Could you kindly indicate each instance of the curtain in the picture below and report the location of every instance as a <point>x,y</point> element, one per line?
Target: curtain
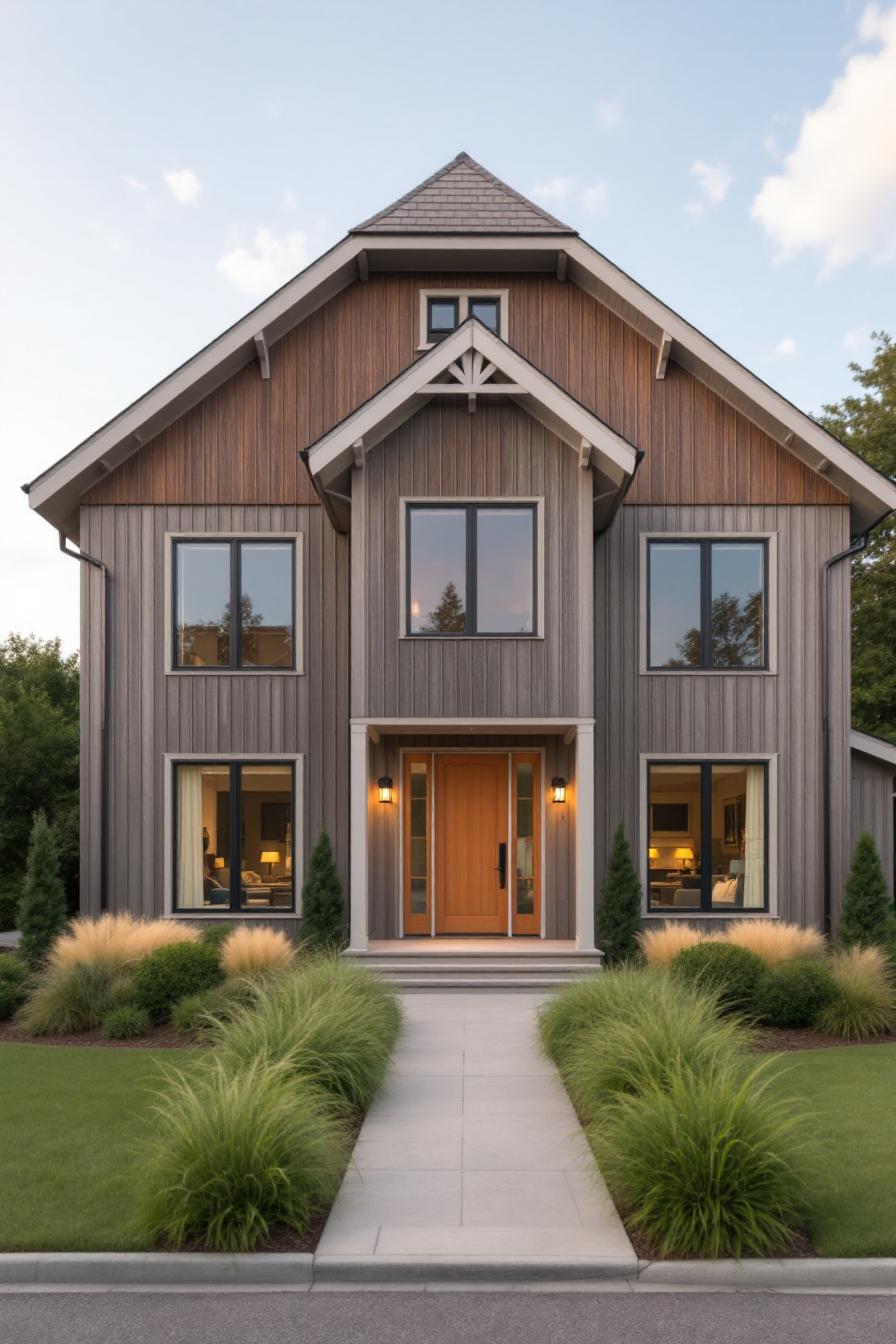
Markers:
<point>189,837</point>
<point>754,839</point>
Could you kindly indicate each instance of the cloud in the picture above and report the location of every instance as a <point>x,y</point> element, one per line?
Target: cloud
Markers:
<point>267,264</point>
<point>786,347</point>
<point>856,340</point>
<point>594,198</point>
<point>713,179</point>
<point>134,183</point>
<point>184,186</point>
<point>608,114</point>
<point>555,191</point>
<point>836,193</point>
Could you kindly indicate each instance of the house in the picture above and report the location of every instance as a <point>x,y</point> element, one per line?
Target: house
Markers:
<point>466,548</point>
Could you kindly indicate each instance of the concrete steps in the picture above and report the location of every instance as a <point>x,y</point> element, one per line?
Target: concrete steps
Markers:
<point>470,971</point>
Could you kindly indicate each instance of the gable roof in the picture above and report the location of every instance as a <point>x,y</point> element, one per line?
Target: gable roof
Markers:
<point>474,362</point>
<point>56,492</point>
<point>877,747</point>
<point>462,197</point>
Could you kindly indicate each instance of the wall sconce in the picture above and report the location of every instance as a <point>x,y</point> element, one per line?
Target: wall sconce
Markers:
<point>558,789</point>
<point>385,788</point>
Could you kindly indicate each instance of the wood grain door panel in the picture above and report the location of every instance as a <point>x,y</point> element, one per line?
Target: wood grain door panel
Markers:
<point>471,805</point>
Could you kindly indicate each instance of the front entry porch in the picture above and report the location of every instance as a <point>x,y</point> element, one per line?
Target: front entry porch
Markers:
<point>455,963</point>
<point>479,830</point>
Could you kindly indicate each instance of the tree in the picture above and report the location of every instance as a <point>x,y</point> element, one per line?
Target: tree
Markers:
<point>449,616</point>
<point>39,752</point>
<point>866,423</point>
<point>619,917</point>
<point>867,914</point>
<point>42,913</point>
<point>323,919</point>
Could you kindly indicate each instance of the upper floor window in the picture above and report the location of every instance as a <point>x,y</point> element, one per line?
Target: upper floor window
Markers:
<point>707,605</point>
<point>234,605</point>
<point>471,569</point>
<point>443,311</point>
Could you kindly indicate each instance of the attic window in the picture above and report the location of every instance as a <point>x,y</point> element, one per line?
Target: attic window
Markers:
<point>443,311</point>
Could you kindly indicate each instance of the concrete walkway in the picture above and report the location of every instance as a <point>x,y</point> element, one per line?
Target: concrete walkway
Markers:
<point>473,1152</point>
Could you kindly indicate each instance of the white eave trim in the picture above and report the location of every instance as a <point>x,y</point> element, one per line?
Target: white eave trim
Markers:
<point>869,745</point>
<point>401,398</point>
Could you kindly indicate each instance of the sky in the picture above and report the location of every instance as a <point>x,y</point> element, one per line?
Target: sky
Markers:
<point>163,166</point>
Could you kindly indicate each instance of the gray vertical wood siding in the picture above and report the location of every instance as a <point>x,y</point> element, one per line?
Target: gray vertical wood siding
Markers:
<point>443,451</point>
<point>153,713</point>
<point>873,783</point>
<point>730,713</point>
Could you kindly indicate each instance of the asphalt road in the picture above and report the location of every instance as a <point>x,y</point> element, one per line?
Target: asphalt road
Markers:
<point>442,1318</point>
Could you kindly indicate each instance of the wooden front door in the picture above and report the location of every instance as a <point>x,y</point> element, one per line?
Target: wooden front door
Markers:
<point>471,843</point>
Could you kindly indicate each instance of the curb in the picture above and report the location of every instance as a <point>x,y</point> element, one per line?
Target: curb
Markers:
<point>374,1269</point>
<point>811,1273</point>
<point>155,1268</point>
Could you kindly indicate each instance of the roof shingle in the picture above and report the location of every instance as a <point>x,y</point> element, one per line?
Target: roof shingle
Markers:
<point>463,197</point>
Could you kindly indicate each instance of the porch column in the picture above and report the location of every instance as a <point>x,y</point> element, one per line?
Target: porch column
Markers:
<point>585,837</point>
<point>359,790</point>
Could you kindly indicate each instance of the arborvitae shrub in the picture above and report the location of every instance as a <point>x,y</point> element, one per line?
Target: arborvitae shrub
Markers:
<point>619,917</point>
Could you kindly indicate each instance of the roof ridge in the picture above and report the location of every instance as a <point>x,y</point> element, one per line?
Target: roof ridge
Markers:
<point>465,160</point>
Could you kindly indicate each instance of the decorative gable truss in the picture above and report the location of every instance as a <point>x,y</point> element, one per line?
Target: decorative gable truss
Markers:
<point>473,363</point>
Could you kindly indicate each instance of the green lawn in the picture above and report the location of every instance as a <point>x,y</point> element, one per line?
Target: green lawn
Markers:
<point>852,1092</point>
<point>69,1120</point>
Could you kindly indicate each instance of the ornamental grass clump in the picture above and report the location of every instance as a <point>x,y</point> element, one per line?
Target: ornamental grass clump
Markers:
<point>864,1001</point>
<point>706,1163</point>
<point>681,1031</point>
<point>729,973</point>
<point>116,940</point>
<point>793,993</point>
<point>234,1156</point>
<point>72,999</point>
<point>623,994</point>
<point>125,1023</point>
<point>198,1015</point>
<point>660,946</point>
<point>254,951</point>
<point>774,942</point>
<point>328,1023</point>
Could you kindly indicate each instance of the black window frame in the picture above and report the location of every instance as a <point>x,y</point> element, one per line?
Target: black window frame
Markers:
<point>434,336</point>
<point>235,906</point>
<point>486,298</point>
<point>235,544</point>
<point>470,509</point>
<point>705,905</point>
<point>705,545</point>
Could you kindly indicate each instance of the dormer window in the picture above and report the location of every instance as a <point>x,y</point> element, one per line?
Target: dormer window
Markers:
<point>443,311</point>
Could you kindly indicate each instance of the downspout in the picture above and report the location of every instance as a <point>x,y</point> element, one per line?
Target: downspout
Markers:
<point>855,548</point>
<point>105,703</point>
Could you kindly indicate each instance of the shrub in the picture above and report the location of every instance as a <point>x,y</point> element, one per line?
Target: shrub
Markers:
<point>864,1002</point>
<point>234,1156</point>
<point>256,950</point>
<point>793,993</point>
<point>216,934</point>
<point>198,1014</point>
<point>623,994</point>
<point>708,1165</point>
<point>117,940</point>
<point>12,996</point>
<point>125,1023</point>
<point>659,946</point>
<point>323,921</point>
<point>626,1057</point>
<point>10,895</point>
<point>171,973</point>
<point>330,1023</point>
<point>74,998</point>
<point>730,973</point>
<point>42,912</point>
<point>867,914</point>
<point>774,942</point>
<point>13,970</point>
<point>619,916</point>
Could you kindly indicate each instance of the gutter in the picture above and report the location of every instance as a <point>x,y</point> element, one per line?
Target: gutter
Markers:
<point>856,546</point>
<point>105,709</point>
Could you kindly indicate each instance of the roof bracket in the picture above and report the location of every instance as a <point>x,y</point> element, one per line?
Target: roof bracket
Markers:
<point>662,358</point>
<point>363,266</point>
<point>823,467</point>
<point>471,403</point>
<point>264,359</point>
<point>584,454</point>
<point>562,260</point>
<point>358,451</point>
<point>788,439</point>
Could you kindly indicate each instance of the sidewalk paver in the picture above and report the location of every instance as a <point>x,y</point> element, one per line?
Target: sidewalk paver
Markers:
<point>473,1148</point>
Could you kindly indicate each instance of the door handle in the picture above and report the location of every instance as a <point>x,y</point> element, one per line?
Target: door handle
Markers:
<point>502,865</point>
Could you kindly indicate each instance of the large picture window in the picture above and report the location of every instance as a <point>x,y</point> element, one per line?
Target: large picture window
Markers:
<point>706,605</point>
<point>234,836</point>
<point>707,835</point>
<point>234,605</point>
<point>471,569</point>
